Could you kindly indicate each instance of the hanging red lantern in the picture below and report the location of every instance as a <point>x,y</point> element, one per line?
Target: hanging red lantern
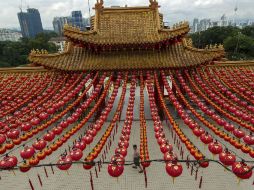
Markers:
<point>26,126</point>
<point>88,139</point>
<point>57,130</point>
<point>206,138</point>
<point>227,158</point>
<point>24,167</point>
<point>76,154</point>
<point>2,138</point>
<point>174,169</point>
<point>35,121</point>
<point>242,170</point>
<point>198,131</point>
<point>8,162</point>
<point>170,156</point>
<point>248,139</point>
<point>49,136</point>
<point>27,152</point>
<point>88,165</point>
<point>239,133</point>
<point>39,144</point>
<point>215,147</point>
<point>13,134</point>
<point>166,148</point>
<point>80,145</point>
<point>115,169</point>
<point>64,162</point>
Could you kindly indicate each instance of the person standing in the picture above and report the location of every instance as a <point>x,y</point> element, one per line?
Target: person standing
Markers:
<point>136,159</point>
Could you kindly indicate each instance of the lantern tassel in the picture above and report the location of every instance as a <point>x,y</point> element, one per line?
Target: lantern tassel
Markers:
<point>46,173</point>
<point>52,169</point>
<point>200,182</point>
<point>91,180</point>
<point>39,177</point>
<point>96,173</point>
<point>173,180</point>
<point>13,172</point>
<point>196,175</point>
<point>191,169</point>
<point>145,177</point>
<point>67,172</point>
<point>99,167</point>
<point>31,185</point>
<point>238,182</point>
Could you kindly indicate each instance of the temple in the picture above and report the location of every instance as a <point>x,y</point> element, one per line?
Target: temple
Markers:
<point>128,81</point>
<point>127,38</point>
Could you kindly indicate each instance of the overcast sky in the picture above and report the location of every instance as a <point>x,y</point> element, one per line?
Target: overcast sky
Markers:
<point>173,10</point>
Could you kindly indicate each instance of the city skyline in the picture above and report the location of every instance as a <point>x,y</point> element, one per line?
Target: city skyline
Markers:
<point>173,10</point>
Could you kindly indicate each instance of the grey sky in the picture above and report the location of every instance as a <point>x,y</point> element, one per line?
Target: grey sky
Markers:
<point>173,10</point>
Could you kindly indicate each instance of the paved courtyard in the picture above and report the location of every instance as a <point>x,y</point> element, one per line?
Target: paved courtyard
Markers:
<point>214,177</point>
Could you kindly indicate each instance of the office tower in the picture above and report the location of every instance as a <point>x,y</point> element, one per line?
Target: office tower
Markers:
<point>30,23</point>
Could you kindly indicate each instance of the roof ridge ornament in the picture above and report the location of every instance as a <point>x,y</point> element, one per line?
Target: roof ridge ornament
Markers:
<point>99,4</point>
<point>154,4</point>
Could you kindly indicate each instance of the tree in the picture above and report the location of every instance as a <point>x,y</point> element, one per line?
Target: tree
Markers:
<point>16,53</point>
<point>214,35</point>
<point>248,31</point>
<point>239,46</point>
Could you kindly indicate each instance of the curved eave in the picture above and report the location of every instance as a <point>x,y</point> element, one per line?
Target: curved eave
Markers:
<point>93,37</point>
<point>176,56</point>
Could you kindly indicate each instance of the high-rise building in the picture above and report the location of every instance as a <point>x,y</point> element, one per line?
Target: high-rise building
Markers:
<point>59,22</point>
<point>77,19</point>
<point>30,22</point>
<point>195,26</point>
<point>224,20</point>
<point>204,24</point>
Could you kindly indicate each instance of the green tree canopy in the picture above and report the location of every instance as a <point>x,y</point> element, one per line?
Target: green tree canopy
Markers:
<point>16,53</point>
<point>238,43</point>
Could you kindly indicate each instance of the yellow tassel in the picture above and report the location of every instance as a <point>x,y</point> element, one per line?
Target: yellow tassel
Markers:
<point>67,172</point>
<point>173,180</point>
<point>13,172</point>
<point>238,182</point>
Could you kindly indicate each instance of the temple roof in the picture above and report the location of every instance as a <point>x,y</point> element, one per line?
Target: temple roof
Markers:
<point>127,38</point>
<point>126,25</point>
<point>174,56</point>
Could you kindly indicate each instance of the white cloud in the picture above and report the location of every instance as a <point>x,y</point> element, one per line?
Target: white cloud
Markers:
<point>173,10</point>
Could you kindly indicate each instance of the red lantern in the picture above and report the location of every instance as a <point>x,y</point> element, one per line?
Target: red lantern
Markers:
<point>227,158</point>
<point>215,147</point>
<point>76,154</point>
<point>88,165</point>
<point>8,162</point>
<point>24,167</point>
<point>13,134</point>
<point>174,169</point>
<point>242,170</point>
<point>26,126</point>
<point>80,145</point>
<point>35,121</point>
<point>239,133</point>
<point>39,144</point>
<point>206,138</point>
<point>166,148</point>
<point>64,162</point>
<point>88,139</point>
<point>57,130</point>
<point>248,139</point>
<point>27,152</point>
<point>49,136</point>
<point>170,156</point>
<point>115,170</point>
<point>198,131</point>
<point>2,138</point>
